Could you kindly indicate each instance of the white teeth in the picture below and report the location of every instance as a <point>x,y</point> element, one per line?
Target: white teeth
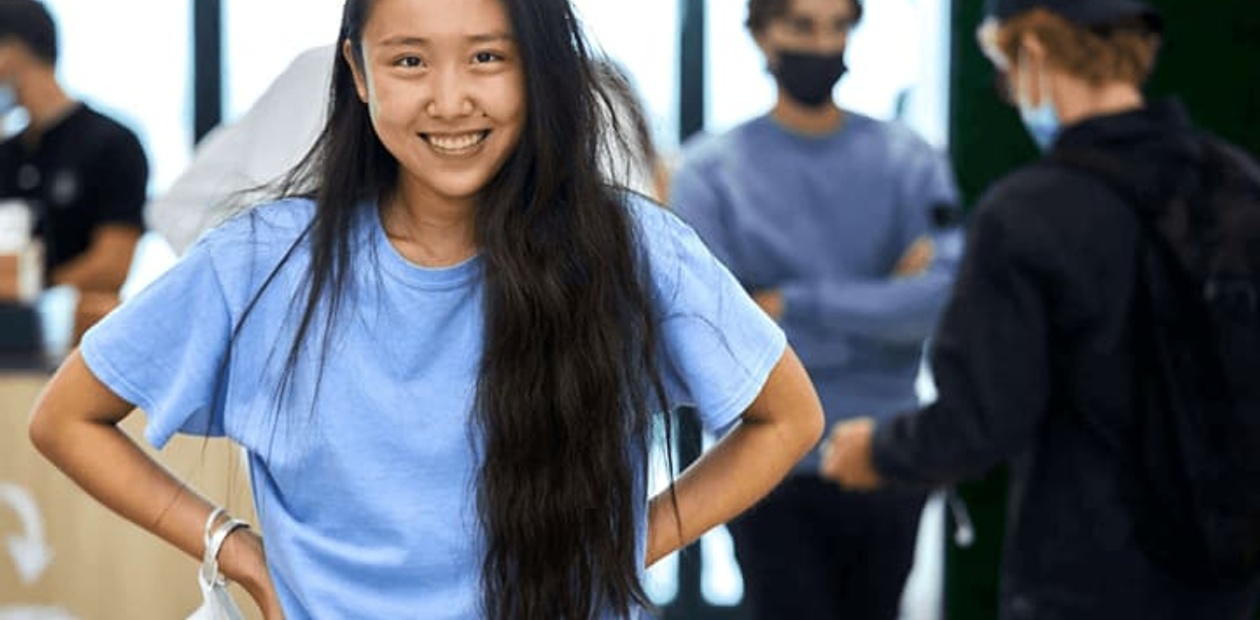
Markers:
<point>457,143</point>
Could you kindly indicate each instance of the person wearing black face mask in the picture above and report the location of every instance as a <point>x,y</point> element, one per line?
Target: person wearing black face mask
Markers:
<point>826,217</point>
<point>808,77</point>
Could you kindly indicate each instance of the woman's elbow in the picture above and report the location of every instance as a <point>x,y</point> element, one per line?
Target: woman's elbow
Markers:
<point>809,426</point>
<point>791,402</point>
<point>815,427</point>
<point>43,431</point>
<point>71,407</point>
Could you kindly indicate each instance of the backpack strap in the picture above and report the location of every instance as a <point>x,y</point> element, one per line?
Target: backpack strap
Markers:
<point>1146,203</point>
<point>1147,481</point>
<point>1115,173</point>
<point>1104,168</point>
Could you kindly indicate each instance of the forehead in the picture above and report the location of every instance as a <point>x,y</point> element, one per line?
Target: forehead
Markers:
<point>819,9</point>
<point>429,19</point>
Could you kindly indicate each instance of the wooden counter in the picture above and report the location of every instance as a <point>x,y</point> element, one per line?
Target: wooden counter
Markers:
<point>101,567</point>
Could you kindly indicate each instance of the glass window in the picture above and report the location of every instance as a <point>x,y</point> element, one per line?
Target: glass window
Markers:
<point>620,30</point>
<point>662,578</point>
<point>898,59</point>
<point>262,38</point>
<point>136,71</point>
<point>721,583</point>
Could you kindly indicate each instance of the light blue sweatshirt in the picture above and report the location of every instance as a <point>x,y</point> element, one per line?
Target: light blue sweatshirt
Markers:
<point>825,219</point>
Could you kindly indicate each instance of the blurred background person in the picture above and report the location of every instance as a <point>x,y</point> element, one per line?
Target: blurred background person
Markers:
<point>83,175</point>
<point>1052,354</point>
<point>826,217</point>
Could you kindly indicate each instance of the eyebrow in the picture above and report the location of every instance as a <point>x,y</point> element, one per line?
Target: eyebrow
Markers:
<point>413,41</point>
<point>792,16</point>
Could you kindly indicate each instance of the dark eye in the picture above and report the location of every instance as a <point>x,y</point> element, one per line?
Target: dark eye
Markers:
<point>484,57</point>
<point>801,25</point>
<point>409,62</point>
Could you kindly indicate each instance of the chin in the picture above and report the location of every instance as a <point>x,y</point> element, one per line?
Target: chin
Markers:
<point>462,189</point>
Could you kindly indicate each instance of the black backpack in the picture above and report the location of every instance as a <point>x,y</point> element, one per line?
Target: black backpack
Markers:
<point>1196,458</point>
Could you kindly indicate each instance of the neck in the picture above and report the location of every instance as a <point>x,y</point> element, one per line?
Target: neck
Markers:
<point>797,118</point>
<point>43,98</point>
<point>1079,101</point>
<point>428,231</point>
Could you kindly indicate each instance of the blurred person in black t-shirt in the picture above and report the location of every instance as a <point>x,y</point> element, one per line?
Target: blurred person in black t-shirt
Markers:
<point>83,174</point>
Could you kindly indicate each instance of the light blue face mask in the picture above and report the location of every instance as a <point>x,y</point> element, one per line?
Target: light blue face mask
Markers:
<point>1041,120</point>
<point>8,98</point>
<point>1042,123</point>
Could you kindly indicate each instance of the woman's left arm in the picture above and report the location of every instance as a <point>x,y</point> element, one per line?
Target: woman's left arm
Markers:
<point>783,423</point>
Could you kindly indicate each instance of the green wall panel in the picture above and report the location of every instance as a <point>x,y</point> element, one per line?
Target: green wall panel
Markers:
<point>1211,57</point>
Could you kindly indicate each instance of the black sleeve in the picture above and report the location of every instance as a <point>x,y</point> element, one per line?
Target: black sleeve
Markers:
<point>120,178</point>
<point>990,360</point>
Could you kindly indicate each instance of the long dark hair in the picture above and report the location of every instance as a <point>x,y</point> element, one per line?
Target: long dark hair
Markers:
<point>568,383</point>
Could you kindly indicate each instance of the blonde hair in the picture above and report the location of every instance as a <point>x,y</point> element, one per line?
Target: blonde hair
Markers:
<point>1123,52</point>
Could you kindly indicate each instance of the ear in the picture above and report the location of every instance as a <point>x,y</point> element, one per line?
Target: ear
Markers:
<point>1033,74</point>
<point>360,84</point>
<point>987,38</point>
<point>1032,48</point>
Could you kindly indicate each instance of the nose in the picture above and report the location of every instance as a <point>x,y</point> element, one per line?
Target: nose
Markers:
<point>827,40</point>
<point>450,96</point>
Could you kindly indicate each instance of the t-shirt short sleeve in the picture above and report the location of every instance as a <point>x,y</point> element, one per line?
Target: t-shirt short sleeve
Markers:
<point>164,349</point>
<point>119,182</point>
<point>719,345</point>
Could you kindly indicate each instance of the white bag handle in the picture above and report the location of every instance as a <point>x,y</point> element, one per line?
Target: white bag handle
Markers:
<point>217,604</point>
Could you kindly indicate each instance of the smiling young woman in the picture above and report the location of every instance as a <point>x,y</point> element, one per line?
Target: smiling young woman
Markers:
<point>446,100</point>
<point>443,346</point>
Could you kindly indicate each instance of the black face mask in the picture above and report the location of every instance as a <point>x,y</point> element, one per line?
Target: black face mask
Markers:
<point>808,78</point>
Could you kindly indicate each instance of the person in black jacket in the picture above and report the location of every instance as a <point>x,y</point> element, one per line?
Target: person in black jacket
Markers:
<point>1033,359</point>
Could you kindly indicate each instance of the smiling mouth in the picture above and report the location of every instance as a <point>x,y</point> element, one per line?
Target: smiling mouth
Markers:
<point>456,144</point>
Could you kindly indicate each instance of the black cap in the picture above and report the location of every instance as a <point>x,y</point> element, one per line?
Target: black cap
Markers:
<point>29,22</point>
<point>1088,13</point>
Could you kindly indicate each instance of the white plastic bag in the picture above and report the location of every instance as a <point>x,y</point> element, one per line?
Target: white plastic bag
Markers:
<point>217,603</point>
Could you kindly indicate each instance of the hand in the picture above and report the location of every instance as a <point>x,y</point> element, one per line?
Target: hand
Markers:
<point>846,455</point>
<point>916,259</point>
<point>771,301</point>
<point>243,560</point>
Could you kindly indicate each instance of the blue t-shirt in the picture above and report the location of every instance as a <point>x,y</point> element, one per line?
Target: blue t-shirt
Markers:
<point>366,488</point>
<point>825,219</point>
